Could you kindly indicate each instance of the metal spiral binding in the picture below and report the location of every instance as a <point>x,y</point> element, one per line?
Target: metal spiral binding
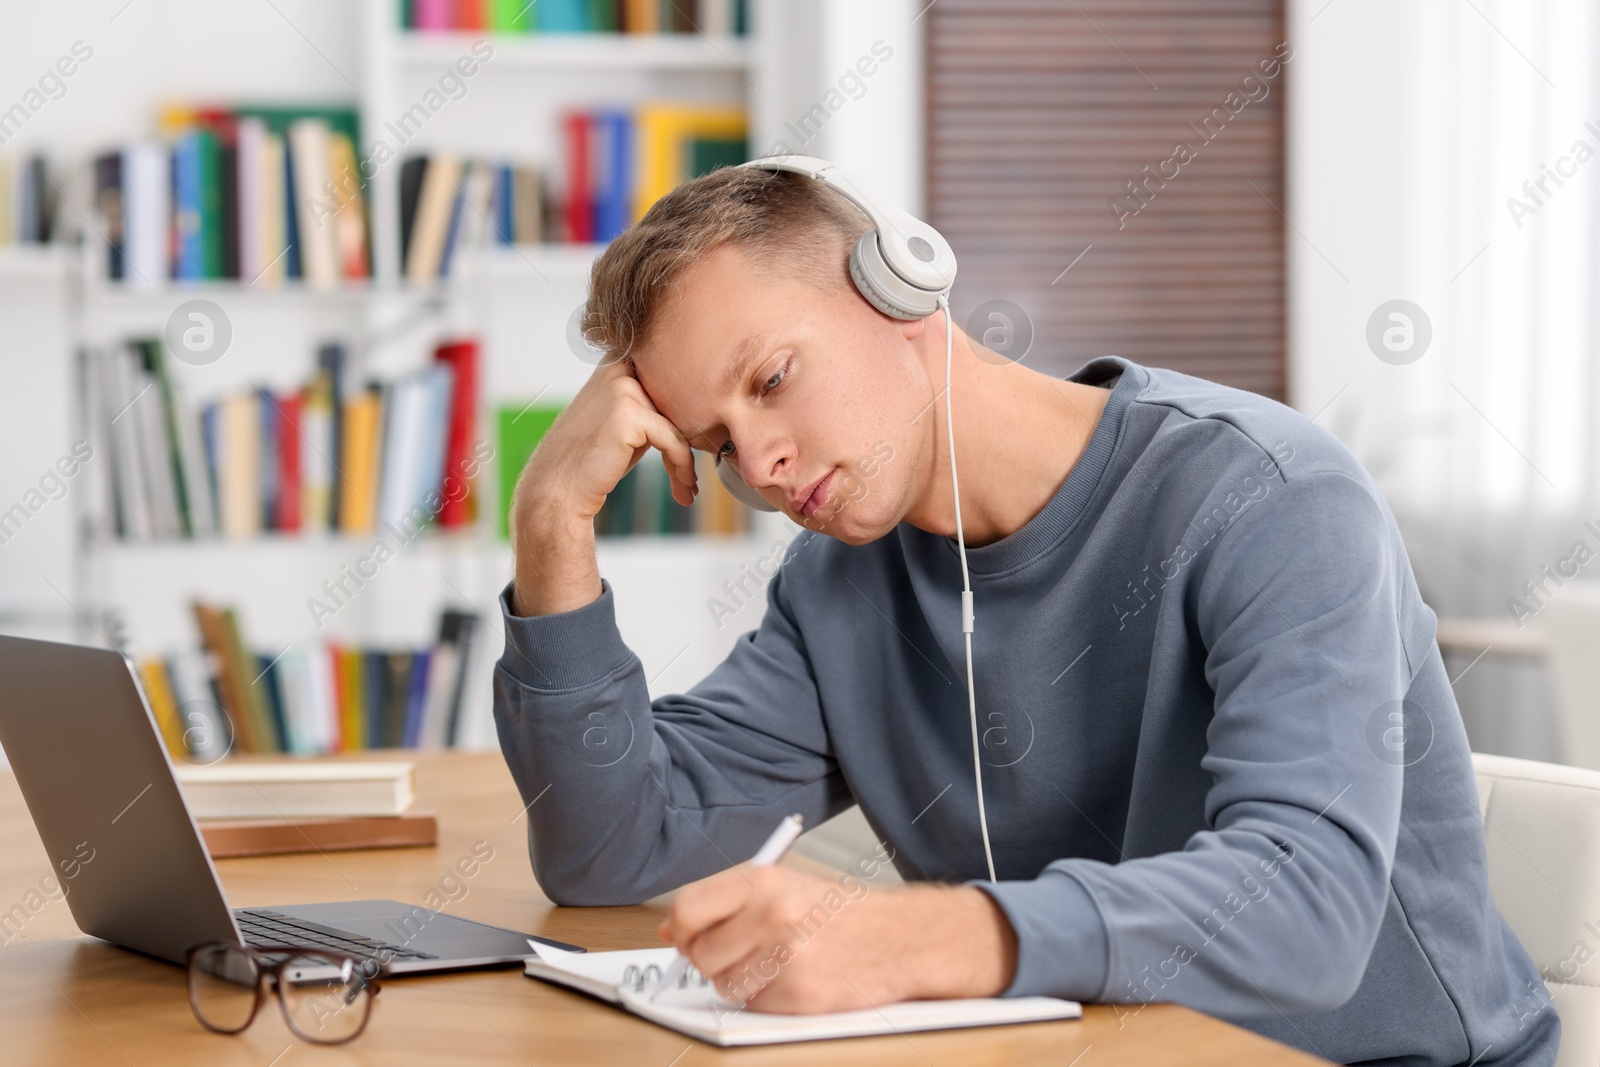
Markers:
<point>640,980</point>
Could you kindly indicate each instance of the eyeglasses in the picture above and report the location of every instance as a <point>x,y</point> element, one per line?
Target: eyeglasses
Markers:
<point>326,997</point>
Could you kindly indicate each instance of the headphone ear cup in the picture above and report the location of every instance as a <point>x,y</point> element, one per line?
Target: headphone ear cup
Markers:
<point>734,482</point>
<point>882,287</point>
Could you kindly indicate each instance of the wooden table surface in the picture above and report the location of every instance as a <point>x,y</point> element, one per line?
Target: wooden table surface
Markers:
<point>70,999</point>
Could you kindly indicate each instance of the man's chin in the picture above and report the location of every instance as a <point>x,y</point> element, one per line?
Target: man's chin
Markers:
<point>842,526</point>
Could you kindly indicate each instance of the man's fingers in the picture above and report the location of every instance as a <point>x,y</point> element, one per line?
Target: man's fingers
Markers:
<point>746,977</point>
<point>723,945</point>
<point>702,905</point>
<point>676,455</point>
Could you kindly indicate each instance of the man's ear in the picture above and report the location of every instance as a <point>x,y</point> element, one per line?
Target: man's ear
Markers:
<point>911,329</point>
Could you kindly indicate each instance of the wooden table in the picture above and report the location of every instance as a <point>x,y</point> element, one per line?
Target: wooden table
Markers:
<point>69,999</point>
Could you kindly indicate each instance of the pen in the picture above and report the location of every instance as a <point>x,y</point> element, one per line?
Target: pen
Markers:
<point>768,854</point>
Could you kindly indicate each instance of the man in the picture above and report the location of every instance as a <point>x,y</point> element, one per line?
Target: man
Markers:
<point>1222,763</point>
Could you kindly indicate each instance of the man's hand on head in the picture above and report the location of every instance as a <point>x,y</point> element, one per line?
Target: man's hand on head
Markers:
<point>780,940</point>
<point>597,439</point>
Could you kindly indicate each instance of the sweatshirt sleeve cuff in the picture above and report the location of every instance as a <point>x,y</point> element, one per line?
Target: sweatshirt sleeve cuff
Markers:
<point>567,650</point>
<point>1062,947</point>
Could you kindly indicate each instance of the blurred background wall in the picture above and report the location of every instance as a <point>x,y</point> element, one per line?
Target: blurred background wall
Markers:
<point>1246,190</point>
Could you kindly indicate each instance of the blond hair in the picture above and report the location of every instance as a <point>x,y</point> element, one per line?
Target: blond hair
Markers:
<point>780,219</point>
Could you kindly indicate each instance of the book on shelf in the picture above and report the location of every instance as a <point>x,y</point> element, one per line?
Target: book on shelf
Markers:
<point>260,194</point>
<point>28,200</point>
<point>291,789</point>
<point>714,18</point>
<point>309,698</point>
<point>461,356</point>
<point>615,163</point>
<point>448,203</point>
<point>676,142</point>
<point>326,456</point>
<point>640,505</point>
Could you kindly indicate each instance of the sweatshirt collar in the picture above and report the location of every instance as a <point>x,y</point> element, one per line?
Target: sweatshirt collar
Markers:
<point>1070,502</point>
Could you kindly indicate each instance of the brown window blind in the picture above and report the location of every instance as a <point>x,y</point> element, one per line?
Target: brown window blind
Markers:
<point>1055,170</point>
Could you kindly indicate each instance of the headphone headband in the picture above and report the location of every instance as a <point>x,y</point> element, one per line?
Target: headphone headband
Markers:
<point>920,264</point>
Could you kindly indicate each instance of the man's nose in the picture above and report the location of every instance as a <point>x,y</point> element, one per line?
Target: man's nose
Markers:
<point>762,463</point>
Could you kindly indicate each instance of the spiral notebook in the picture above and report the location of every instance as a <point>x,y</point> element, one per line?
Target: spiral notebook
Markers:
<point>693,1007</point>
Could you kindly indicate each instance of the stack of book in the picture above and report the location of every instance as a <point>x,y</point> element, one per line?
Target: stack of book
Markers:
<point>264,807</point>
<point>27,201</point>
<point>308,698</point>
<point>326,457</point>
<point>262,194</point>
<point>641,504</point>
<point>616,164</point>
<point>711,17</point>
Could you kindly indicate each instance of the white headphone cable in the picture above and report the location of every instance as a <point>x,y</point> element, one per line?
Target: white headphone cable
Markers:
<point>966,587</point>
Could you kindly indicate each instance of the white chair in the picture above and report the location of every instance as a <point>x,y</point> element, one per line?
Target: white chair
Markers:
<point>1542,833</point>
<point>1570,623</point>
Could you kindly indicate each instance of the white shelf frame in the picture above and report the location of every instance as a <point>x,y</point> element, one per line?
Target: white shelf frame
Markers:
<point>114,575</point>
<point>590,51</point>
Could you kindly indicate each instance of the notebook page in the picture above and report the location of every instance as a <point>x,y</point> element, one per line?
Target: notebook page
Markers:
<point>706,1015</point>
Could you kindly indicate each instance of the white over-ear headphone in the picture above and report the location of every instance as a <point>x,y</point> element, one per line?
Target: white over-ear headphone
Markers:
<point>902,266</point>
<point>905,269</point>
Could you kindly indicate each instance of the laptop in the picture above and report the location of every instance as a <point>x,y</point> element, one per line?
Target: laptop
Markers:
<point>84,745</point>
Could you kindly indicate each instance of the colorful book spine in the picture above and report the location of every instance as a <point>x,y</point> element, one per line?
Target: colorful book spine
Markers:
<point>416,699</point>
<point>405,453</point>
<point>187,216</point>
<point>433,14</point>
<point>613,206</point>
<point>164,706</point>
<point>471,15</point>
<point>210,203</point>
<point>353,725</point>
<point>258,194</point>
<point>333,660</point>
<point>711,17</point>
<point>460,501</point>
<point>615,164</point>
<point>290,493</point>
<point>308,698</point>
<point>374,686</point>
<point>269,464</point>
<point>576,130</point>
<point>562,16</point>
<point>510,16</point>
<point>108,204</point>
<point>359,449</point>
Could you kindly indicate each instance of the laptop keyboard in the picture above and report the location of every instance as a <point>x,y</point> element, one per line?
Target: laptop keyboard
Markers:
<point>270,930</point>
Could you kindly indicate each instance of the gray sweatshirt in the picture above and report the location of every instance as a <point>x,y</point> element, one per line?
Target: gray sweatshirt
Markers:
<point>1222,761</point>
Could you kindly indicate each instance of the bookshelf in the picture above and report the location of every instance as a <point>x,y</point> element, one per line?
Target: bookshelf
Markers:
<point>584,52</point>
<point>33,263</point>
<point>515,299</point>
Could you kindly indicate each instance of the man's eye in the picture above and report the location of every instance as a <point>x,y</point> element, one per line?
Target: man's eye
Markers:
<point>725,450</point>
<point>776,380</point>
